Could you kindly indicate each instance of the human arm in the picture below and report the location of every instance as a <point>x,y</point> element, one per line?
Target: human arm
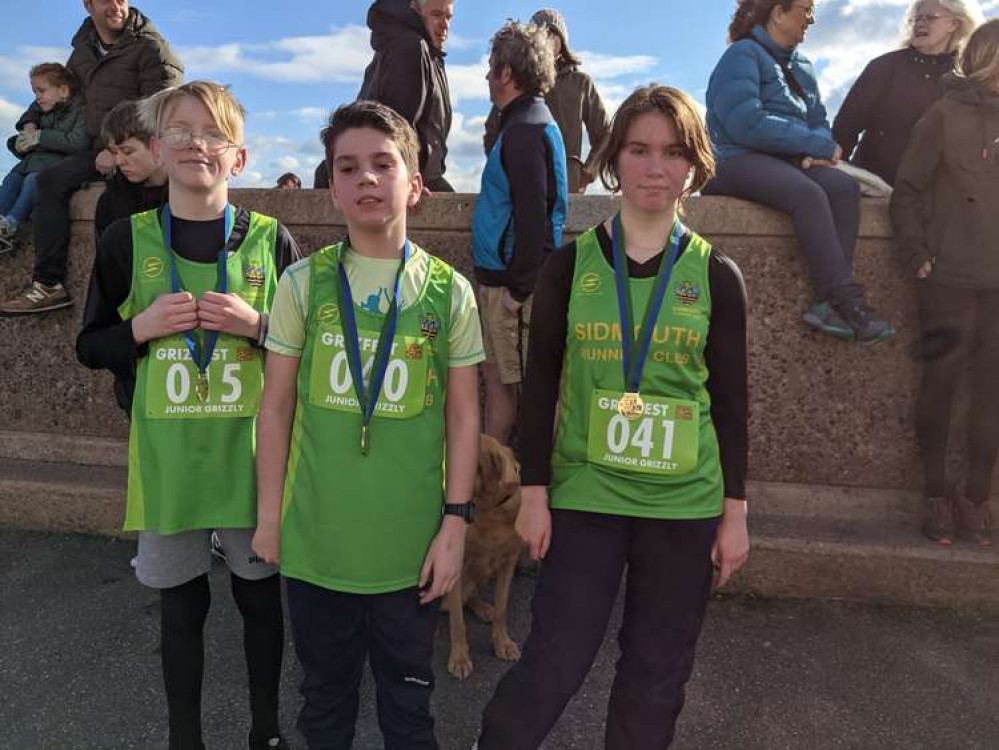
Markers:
<point>277,410</point>
<point>525,159</point>
<point>31,118</point>
<point>736,103</point>
<point>442,564</point>
<point>913,184</point>
<point>857,111</point>
<point>597,127</point>
<point>72,140</point>
<point>731,546</point>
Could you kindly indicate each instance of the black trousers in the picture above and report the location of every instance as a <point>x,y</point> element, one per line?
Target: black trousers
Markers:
<point>183,610</point>
<point>334,633</point>
<point>958,327</point>
<point>56,186</point>
<point>668,585</point>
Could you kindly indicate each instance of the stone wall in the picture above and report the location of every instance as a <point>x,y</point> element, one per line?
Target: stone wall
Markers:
<point>823,412</point>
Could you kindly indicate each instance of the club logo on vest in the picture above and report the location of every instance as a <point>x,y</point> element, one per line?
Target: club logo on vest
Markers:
<point>414,351</point>
<point>590,283</point>
<point>255,275</point>
<point>152,268</point>
<point>430,326</point>
<point>328,314</point>
<point>688,292</point>
<point>245,354</point>
<point>684,413</point>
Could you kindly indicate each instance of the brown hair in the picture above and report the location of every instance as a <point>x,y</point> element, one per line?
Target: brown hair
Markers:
<point>530,55</point>
<point>56,74</point>
<point>368,114</point>
<point>224,108</point>
<point>752,13</point>
<point>686,119</point>
<point>980,56</point>
<point>123,122</point>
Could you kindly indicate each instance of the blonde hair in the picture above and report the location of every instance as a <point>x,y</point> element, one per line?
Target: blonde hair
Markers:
<point>967,13</point>
<point>980,56</point>
<point>224,108</point>
<point>687,121</point>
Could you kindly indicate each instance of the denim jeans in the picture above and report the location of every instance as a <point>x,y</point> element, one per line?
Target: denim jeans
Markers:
<point>17,195</point>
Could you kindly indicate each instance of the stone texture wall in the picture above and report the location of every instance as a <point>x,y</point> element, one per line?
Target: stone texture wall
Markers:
<point>823,412</point>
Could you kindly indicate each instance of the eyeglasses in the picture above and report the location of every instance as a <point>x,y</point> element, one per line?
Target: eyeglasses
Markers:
<point>181,138</point>
<point>808,10</point>
<point>927,18</point>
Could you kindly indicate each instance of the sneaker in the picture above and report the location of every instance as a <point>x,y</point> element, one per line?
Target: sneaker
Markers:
<point>974,522</point>
<point>8,227</point>
<point>217,549</point>
<point>6,246</point>
<point>272,743</point>
<point>867,329</point>
<point>823,317</point>
<point>938,520</point>
<point>37,298</point>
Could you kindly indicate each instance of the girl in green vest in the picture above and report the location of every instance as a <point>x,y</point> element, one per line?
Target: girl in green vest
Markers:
<point>639,338</point>
<point>372,381</point>
<point>177,310</point>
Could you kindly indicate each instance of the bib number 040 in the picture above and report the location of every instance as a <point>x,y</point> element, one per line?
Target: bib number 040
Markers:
<point>393,389</point>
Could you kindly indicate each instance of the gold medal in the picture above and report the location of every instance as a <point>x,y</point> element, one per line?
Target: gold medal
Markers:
<point>365,440</point>
<point>631,405</point>
<point>202,390</point>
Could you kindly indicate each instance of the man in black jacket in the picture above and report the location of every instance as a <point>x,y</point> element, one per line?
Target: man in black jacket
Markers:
<point>118,55</point>
<point>407,74</point>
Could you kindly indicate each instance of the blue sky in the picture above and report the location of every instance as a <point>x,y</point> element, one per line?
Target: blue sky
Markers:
<point>290,62</point>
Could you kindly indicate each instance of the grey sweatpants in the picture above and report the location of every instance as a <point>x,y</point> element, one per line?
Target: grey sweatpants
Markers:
<point>824,205</point>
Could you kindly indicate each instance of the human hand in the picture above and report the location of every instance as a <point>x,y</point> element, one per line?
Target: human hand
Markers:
<point>27,140</point>
<point>731,546</point>
<point>266,542</point>
<point>534,521</point>
<point>925,270</point>
<point>511,305</point>
<point>228,313</point>
<point>169,314</point>
<point>29,127</point>
<point>837,156</point>
<point>104,163</point>
<point>442,565</point>
<point>585,178</point>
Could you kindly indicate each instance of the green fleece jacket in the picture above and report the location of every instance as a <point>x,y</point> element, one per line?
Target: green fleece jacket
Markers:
<point>63,131</point>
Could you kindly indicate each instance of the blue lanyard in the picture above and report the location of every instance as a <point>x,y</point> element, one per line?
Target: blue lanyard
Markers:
<point>367,397</point>
<point>633,365</point>
<point>200,355</point>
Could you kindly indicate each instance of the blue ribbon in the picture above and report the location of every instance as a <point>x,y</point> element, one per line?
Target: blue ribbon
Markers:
<point>201,353</point>
<point>633,365</point>
<point>367,397</point>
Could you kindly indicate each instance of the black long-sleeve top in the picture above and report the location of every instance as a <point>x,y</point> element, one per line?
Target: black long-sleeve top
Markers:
<point>724,355</point>
<point>105,341</point>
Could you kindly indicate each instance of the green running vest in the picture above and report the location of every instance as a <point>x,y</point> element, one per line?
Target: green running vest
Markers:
<point>191,464</point>
<point>363,524</point>
<point>665,464</point>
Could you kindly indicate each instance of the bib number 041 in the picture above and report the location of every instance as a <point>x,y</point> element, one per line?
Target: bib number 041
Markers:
<point>621,436</point>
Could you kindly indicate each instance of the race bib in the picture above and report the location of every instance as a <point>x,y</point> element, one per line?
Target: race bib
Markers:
<point>235,381</point>
<point>662,441</point>
<point>404,390</point>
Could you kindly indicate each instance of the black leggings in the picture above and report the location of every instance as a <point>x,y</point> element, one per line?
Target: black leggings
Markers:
<point>958,327</point>
<point>183,612</point>
<point>668,584</point>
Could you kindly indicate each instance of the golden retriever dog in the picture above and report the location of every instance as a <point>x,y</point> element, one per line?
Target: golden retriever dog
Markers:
<point>492,548</point>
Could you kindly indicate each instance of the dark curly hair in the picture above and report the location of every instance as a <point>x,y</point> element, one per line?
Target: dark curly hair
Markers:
<point>751,13</point>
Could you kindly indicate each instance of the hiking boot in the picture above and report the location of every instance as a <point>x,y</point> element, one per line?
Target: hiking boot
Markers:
<point>823,317</point>
<point>867,329</point>
<point>938,520</point>
<point>37,298</point>
<point>974,522</point>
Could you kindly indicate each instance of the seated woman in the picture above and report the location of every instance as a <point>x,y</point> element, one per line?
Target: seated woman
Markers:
<point>646,471</point>
<point>768,124</point>
<point>944,215</point>
<point>896,88</point>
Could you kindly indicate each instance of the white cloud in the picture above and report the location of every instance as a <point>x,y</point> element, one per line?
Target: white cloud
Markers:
<point>14,67</point>
<point>337,57</point>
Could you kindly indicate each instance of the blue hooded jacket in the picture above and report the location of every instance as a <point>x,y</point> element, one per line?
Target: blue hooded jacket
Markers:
<point>751,107</point>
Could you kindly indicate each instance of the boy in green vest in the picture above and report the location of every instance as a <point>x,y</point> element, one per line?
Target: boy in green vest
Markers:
<point>371,383</point>
<point>178,306</point>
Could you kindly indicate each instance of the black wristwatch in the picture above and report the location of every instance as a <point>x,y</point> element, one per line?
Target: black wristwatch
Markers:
<point>462,510</point>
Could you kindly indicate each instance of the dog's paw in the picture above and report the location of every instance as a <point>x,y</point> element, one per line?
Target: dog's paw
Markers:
<point>483,610</point>
<point>506,650</point>
<point>459,664</point>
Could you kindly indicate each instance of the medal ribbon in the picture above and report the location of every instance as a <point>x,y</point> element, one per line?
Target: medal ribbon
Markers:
<point>633,365</point>
<point>367,397</point>
<point>201,351</point>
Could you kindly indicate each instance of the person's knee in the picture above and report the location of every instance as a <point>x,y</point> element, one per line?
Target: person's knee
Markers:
<point>842,189</point>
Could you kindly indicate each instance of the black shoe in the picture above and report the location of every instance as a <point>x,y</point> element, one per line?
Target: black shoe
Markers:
<point>867,329</point>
